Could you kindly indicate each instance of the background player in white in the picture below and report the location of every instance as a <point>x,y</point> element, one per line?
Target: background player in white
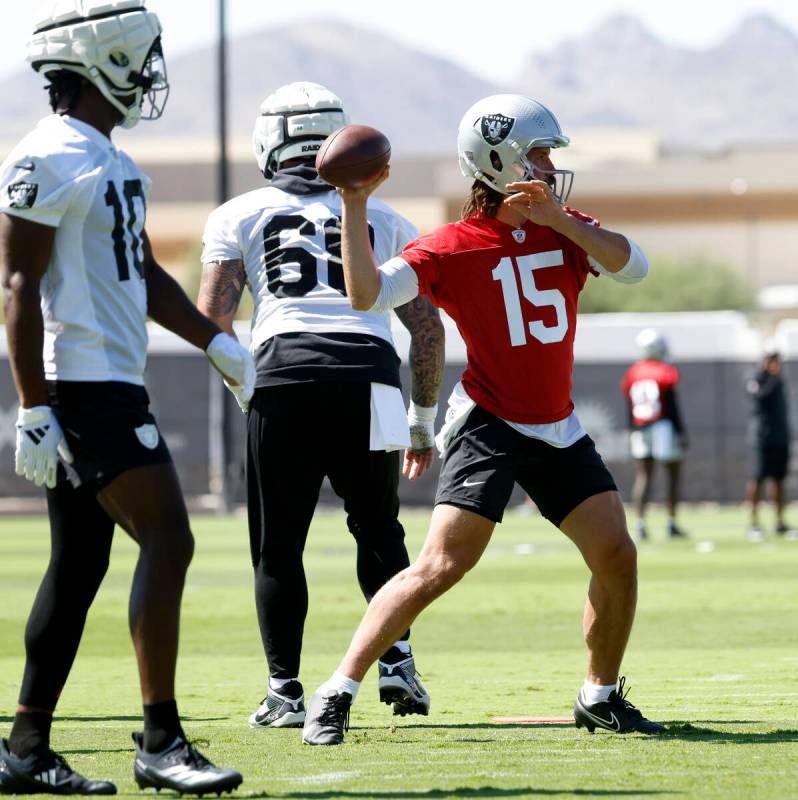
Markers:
<point>509,274</point>
<point>657,430</point>
<point>80,281</point>
<point>328,399</point>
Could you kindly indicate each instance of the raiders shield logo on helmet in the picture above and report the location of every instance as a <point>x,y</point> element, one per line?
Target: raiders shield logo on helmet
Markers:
<point>22,194</point>
<point>496,128</point>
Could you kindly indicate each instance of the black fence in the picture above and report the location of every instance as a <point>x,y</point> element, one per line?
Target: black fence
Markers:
<point>713,398</point>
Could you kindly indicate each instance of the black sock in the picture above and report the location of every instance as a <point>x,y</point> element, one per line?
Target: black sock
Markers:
<point>393,655</point>
<point>30,729</point>
<point>161,725</point>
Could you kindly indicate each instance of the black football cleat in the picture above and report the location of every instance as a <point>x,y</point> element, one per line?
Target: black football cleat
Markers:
<point>401,687</point>
<point>675,532</point>
<point>327,717</point>
<point>182,768</point>
<point>616,714</point>
<point>44,772</point>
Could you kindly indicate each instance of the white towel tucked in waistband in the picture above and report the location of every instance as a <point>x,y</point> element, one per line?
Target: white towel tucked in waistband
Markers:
<point>389,430</point>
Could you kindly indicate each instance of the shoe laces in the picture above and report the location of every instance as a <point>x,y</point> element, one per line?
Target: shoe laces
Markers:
<point>621,698</point>
<point>61,764</point>
<point>335,711</point>
<point>187,754</point>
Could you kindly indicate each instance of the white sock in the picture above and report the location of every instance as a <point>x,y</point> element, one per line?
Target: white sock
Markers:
<point>403,646</point>
<point>593,693</point>
<point>278,683</point>
<point>340,683</point>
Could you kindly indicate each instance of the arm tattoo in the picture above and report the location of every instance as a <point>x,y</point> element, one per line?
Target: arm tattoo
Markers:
<point>426,357</point>
<point>221,287</point>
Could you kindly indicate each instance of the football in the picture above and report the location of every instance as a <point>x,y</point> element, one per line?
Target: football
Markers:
<point>353,156</point>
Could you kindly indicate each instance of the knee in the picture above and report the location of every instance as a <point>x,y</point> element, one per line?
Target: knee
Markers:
<point>172,549</point>
<point>182,549</point>
<point>617,558</point>
<point>439,573</point>
<point>376,530</point>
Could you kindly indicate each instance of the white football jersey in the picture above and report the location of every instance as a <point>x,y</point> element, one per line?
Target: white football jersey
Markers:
<point>68,175</point>
<point>290,245</point>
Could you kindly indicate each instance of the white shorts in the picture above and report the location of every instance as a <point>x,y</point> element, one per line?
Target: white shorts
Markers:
<point>658,441</point>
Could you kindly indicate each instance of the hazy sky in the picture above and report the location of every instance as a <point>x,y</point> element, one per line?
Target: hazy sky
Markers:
<point>468,33</point>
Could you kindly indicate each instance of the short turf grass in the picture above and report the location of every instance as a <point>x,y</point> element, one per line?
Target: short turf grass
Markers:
<point>714,654</point>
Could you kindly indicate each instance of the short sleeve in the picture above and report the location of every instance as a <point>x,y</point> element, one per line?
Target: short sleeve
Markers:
<point>426,264</point>
<point>220,238</point>
<point>40,189</point>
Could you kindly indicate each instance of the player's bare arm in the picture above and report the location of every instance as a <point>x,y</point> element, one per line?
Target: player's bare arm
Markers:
<point>426,356</point>
<point>535,201</point>
<point>220,292</point>
<point>427,339</point>
<point>25,249</point>
<point>170,307</point>
<point>360,269</point>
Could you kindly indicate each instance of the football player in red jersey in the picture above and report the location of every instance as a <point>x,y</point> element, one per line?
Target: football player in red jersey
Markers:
<point>509,273</point>
<point>658,433</point>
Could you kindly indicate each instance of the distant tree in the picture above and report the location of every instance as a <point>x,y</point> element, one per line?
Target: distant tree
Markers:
<point>692,284</point>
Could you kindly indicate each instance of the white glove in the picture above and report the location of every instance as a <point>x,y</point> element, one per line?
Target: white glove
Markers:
<point>40,441</point>
<point>421,420</point>
<point>236,366</point>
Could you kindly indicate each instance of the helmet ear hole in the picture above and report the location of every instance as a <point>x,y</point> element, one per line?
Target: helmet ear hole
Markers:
<point>496,160</point>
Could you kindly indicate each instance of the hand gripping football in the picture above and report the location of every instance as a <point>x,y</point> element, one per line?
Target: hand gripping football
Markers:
<point>353,156</point>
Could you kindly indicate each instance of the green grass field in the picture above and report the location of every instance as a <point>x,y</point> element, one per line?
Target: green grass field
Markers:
<point>714,654</point>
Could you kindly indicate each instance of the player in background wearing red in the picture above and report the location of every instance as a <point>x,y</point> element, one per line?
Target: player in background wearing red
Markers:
<point>657,430</point>
<point>509,273</point>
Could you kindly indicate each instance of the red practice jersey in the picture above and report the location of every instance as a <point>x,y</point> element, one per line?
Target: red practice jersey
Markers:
<point>650,387</point>
<point>514,303</point>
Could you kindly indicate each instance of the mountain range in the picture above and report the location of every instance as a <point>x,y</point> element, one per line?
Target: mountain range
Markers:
<point>740,90</point>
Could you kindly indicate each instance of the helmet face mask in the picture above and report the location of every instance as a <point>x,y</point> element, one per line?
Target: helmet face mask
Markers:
<point>496,135</point>
<point>294,121</point>
<point>115,45</point>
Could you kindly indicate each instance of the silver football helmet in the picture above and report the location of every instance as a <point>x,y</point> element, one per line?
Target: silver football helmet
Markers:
<point>113,44</point>
<point>495,136</point>
<point>653,345</point>
<point>293,122</point>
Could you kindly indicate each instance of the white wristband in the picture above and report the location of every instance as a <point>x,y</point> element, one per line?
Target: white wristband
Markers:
<point>421,421</point>
<point>421,414</point>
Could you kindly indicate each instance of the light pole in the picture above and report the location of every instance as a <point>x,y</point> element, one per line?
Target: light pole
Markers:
<point>219,422</point>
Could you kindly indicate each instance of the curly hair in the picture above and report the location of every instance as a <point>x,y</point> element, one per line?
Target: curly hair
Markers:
<point>64,89</point>
<point>482,200</point>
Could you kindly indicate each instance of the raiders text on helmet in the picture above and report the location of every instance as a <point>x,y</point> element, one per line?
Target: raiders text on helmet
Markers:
<point>495,136</point>
<point>294,121</point>
<point>114,44</point>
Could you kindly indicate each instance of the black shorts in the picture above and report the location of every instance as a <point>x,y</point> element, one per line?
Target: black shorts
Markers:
<point>487,457</point>
<point>108,428</point>
<point>772,462</point>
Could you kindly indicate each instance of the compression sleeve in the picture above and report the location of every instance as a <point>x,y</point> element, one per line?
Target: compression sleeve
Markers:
<point>398,285</point>
<point>635,269</point>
